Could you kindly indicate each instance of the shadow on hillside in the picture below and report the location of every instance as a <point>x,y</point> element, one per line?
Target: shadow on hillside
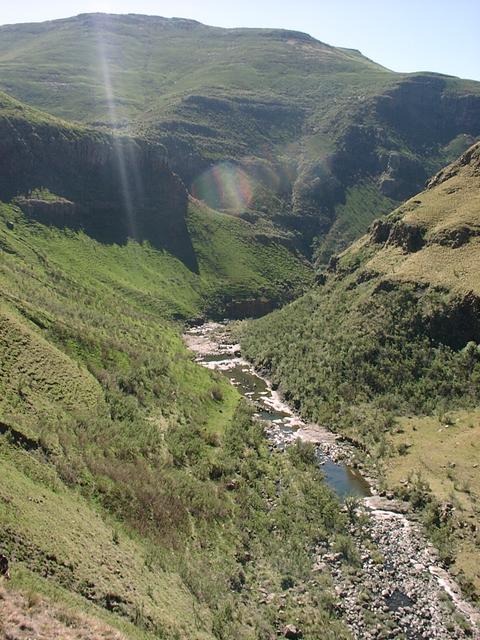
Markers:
<point>110,223</point>
<point>112,189</point>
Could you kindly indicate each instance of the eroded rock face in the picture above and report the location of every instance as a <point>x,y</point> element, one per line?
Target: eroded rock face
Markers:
<point>58,212</point>
<point>408,236</point>
<point>397,233</point>
<point>456,323</point>
<point>456,237</point>
<point>4,567</point>
<point>291,631</point>
<point>470,159</point>
<point>112,187</point>
<point>402,175</point>
<point>380,231</point>
<point>253,308</point>
<point>425,112</point>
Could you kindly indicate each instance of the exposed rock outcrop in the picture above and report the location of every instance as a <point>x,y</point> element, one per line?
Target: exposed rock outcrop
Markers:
<point>470,159</point>
<point>456,323</point>
<point>455,237</point>
<point>58,212</point>
<point>409,237</point>
<point>113,187</point>
<point>424,110</point>
<point>4,567</point>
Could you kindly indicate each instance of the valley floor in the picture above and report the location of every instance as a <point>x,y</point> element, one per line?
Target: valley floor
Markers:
<point>389,581</point>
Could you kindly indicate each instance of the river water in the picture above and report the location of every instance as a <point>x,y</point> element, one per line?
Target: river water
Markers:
<point>411,585</point>
<point>282,425</point>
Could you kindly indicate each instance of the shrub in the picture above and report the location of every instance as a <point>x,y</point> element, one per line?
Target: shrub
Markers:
<point>217,393</point>
<point>346,546</point>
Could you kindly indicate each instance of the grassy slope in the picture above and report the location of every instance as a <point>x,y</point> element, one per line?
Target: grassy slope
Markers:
<point>353,218</point>
<point>24,614</point>
<point>150,63</point>
<point>450,204</point>
<point>444,449</point>
<point>232,261</point>
<point>377,351</point>
<point>239,263</point>
<point>116,449</point>
<point>43,265</point>
<point>61,324</point>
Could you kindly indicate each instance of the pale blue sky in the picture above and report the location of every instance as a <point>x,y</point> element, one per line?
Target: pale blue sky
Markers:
<point>404,35</point>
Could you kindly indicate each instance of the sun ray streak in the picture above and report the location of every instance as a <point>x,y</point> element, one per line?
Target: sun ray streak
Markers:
<point>119,144</point>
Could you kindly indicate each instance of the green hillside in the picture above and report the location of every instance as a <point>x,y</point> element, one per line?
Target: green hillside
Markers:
<point>98,194</point>
<point>130,475</point>
<point>116,449</point>
<point>385,350</point>
<point>150,59</point>
<point>156,172</point>
<point>296,125</point>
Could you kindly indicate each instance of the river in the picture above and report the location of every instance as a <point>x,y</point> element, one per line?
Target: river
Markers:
<point>410,592</point>
<point>282,425</point>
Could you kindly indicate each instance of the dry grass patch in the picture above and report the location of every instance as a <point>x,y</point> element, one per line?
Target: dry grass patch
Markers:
<point>28,616</point>
<point>445,450</point>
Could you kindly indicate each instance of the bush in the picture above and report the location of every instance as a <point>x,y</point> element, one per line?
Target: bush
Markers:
<point>346,546</point>
<point>303,453</point>
<point>217,393</point>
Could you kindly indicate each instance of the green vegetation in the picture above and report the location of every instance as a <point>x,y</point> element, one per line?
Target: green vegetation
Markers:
<point>59,66</point>
<point>320,139</point>
<point>197,170</point>
<point>231,263</point>
<point>390,337</point>
<point>135,488</point>
<point>203,573</point>
<point>241,271</point>
<point>363,204</point>
<point>377,355</point>
<point>443,451</point>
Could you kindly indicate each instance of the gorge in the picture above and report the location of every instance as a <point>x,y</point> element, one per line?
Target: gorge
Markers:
<point>307,469</point>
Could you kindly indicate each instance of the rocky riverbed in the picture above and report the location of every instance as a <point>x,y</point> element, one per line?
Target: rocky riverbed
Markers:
<point>391,584</point>
<point>394,592</point>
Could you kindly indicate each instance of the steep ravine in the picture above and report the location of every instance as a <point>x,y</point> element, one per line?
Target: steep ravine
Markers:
<point>393,585</point>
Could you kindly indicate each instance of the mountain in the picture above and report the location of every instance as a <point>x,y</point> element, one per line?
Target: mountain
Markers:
<point>128,471</point>
<point>155,172</point>
<point>385,350</point>
<point>114,188</point>
<point>317,140</point>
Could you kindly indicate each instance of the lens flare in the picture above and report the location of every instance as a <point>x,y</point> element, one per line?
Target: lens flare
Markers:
<point>225,186</point>
<point>263,172</point>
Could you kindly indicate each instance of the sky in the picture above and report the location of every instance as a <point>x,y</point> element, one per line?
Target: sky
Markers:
<point>403,35</point>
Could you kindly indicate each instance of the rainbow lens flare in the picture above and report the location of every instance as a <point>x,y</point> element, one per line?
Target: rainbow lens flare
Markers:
<point>225,186</point>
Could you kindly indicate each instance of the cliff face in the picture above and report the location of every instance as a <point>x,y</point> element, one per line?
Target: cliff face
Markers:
<point>426,112</point>
<point>114,188</point>
<point>396,140</point>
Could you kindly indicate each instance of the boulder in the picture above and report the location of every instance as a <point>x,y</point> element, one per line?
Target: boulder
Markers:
<point>291,631</point>
<point>4,567</point>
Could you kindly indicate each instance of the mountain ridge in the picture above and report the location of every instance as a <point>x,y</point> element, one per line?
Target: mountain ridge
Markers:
<point>305,122</point>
